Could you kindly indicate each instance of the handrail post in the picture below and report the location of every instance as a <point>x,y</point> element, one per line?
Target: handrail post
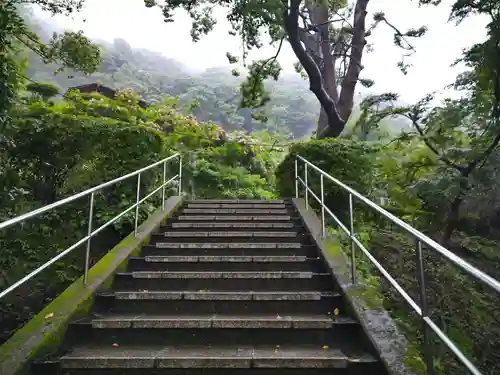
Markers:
<point>180,175</point>
<point>323,224</point>
<point>306,187</point>
<point>163,185</point>
<point>353,245</point>
<point>89,234</point>
<point>429,362</point>
<point>296,179</point>
<point>137,204</point>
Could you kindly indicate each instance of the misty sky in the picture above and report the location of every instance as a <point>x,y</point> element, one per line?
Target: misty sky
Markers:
<point>142,27</point>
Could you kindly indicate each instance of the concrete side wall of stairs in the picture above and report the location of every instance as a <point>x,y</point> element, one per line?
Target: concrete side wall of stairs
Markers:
<point>378,325</point>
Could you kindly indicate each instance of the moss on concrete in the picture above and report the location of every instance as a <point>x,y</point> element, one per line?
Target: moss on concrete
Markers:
<point>44,333</point>
<point>365,298</point>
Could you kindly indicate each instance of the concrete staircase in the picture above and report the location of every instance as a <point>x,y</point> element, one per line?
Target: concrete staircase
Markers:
<point>226,287</point>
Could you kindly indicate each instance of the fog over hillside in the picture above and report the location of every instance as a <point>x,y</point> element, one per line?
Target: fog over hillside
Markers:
<point>292,110</point>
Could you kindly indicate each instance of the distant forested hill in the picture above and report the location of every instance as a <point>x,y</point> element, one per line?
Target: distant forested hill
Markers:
<point>292,110</point>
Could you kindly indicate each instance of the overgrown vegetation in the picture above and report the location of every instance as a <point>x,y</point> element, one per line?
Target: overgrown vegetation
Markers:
<point>54,147</point>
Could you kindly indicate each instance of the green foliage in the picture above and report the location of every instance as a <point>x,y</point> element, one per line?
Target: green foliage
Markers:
<point>72,50</point>
<point>306,25</point>
<point>346,160</point>
<point>291,110</point>
<point>54,150</point>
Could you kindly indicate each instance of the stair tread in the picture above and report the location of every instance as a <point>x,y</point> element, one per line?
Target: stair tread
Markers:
<point>221,295</point>
<point>223,274</point>
<point>185,357</point>
<point>279,201</point>
<point>247,217</point>
<point>224,258</point>
<point>266,317</point>
<point>178,233</point>
<point>237,205</point>
<point>230,245</point>
<point>229,225</point>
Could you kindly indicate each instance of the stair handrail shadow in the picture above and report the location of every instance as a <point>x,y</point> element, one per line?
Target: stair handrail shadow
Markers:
<point>422,309</point>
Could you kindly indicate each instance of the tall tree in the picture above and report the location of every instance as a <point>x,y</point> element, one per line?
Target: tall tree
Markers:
<point>463,134</point>
<point>327,36</point>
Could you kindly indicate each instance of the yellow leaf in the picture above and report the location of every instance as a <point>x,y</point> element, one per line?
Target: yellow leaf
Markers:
<point>325,347</point>
<point>336,312</point>
<point>50,315</point>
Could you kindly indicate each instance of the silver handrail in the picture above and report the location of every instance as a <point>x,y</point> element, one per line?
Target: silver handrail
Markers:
<point>421,310</point>
<point>90,232</point>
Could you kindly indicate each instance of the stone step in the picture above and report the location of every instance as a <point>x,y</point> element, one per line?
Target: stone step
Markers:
<point>196,239</point>
<point>245,249</point>
<point>223,281</point>
<point>233,201</point>
<point>224,259</point>
<point>219,234</point>
<point>214,302</point>
<point>186,307</point>
<point>84,334</point>
<point>237,205</point>
<point>222,275</point>
<point>252,218</point>
<point>295,321</point>
<point>232,226</point>
<point>269,241</point>
<point>205,295</point>
<point>226,245</point>
<point>53,368</point>
<point>235,211</point>
<point>125,357</point>
<point>224,263</point>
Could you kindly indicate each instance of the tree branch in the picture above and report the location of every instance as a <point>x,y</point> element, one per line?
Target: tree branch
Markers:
<point>357,44</point>
<point>428,143</point>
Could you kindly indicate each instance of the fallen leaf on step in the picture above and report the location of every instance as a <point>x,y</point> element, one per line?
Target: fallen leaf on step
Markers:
<point>50,315</point>
<point>325,347</point>
<point>278,317</point>
<point>336,312</point>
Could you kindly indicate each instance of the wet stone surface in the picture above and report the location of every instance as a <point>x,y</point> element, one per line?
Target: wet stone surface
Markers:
<point>233,311</point>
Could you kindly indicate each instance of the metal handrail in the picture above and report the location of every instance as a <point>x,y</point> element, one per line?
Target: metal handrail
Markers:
<point>91,233</point>
<point>421,310</point>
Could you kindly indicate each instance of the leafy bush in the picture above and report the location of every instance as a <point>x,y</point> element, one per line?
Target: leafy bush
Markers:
<point>349,161</point>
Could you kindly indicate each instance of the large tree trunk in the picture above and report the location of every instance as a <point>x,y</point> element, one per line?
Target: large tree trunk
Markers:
<point>335,108</point>
<point>322,47</point>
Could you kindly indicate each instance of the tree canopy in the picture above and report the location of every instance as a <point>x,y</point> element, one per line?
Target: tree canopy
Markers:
<point>328,38</point>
